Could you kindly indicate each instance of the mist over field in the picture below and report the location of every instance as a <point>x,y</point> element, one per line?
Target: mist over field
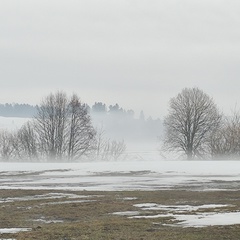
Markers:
<point>119,120</point>
<point>142,137</point>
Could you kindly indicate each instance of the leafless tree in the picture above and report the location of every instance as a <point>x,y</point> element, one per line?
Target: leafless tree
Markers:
<point>225,142</point>
<point>6,145</point>
<point>100,145</point>
<point>27,142</point>
<point>116,149</point>
<point>63,127</point>
<point>50,124</point>
<point>192,118</point>
<point>80,132</point>
<point>107,149</point>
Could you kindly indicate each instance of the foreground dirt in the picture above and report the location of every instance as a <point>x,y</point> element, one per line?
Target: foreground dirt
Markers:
<point>63,215</point>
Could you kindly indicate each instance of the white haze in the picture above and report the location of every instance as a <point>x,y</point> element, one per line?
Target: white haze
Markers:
<point>141,142</point>
<point>12,123</point>
<point>147,174</point>
<point>135,53</point>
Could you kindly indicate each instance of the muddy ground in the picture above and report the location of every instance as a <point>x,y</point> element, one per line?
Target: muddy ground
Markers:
<point>71,215</point>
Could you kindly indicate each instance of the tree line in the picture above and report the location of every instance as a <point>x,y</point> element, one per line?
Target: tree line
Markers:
<point>196,128</point>
<point>60,130</point>
<point>29,111</point>
<point>17,110</point>
<point>118,123</point>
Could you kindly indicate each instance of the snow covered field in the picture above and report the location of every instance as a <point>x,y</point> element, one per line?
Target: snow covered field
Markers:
<point>125,175</point>
<point>12,123</point>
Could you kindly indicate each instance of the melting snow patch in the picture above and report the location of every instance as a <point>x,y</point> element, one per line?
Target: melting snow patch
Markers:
<point>8,239</point>
<point>198,219</point>
<point>43,220</point>
<point>14,230</point>
<point>43,197</point>
<point>128,198</point>
<point>177,208</point>
<point>208,219</point>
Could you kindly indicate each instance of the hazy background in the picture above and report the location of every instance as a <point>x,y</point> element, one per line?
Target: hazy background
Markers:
<point>136,53</point>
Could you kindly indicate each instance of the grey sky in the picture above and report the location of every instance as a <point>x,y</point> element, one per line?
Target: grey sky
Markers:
<point>133,52</point>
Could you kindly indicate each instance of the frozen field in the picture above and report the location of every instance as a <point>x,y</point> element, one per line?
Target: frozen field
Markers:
<point>173,195</point>
<point>125,175</point>
<point>12,123</point>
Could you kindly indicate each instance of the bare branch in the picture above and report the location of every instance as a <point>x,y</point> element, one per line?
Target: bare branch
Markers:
<point>192,118</point>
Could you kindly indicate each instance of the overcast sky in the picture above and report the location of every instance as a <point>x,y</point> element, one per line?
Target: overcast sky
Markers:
<point>137,53</point>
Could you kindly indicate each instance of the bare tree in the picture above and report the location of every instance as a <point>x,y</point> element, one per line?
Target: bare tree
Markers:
<point>63,127</point>
<point>101,142</point>
<point>28,142</point>
<point>7,150</point>
<point>116,149</point>
<point>107,149</point>
<point>225,142</point>
<point>80,132</point>
<point>192,118</point>
<point>50,124</point>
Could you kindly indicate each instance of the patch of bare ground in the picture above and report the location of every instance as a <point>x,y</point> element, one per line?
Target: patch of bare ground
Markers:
<point>64,215</point>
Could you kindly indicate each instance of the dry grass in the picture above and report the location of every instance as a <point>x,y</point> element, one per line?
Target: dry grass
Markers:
<point>93,220</point>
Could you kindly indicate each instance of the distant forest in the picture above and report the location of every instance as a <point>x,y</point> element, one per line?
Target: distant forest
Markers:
<point>17,110</point>
<point>116,122</point>
<point>123,124</point>
<point>28,111</point>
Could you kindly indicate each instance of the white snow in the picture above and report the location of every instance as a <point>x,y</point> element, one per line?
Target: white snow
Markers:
<point>177,208</point>
<point>124,175</point>
<point>8,239</point>
<point>42,197</point>
<point>132,175</point>
<point>12,123</point>
<point>198,220</point>
<point>208,219</point>
<point>14,230</point>
<point>129,198</point>
<point>43,220</point>
<point>185,218</point>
